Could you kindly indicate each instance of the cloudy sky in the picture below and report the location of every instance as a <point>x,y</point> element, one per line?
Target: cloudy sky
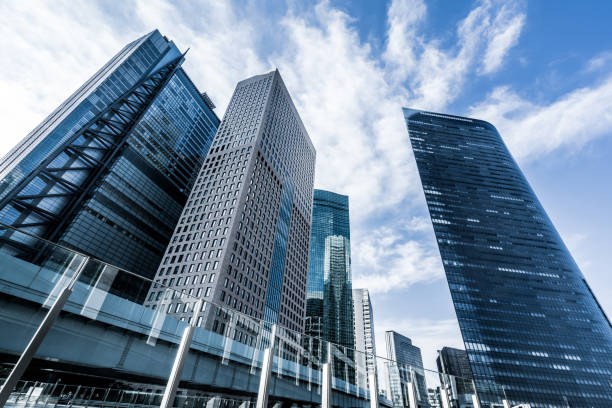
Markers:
<point>541,74</point>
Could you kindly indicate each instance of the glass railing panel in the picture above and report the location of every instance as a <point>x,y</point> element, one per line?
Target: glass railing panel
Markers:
<point>226,351</point>
<point>297,367</point>
<point>33,273</point>
<point>349,377</point>
<point>105,324</point>
<point>118,325</point>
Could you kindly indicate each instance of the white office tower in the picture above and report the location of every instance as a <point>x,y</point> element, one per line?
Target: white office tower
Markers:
<point>243,239</point>
<point>364,330</point>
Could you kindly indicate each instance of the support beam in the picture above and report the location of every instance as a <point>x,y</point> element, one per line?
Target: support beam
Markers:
<point>30,350</point>
<point>326,380</point>
<point>373,385</point>
<point>475,398</point>
<point>179,360</point>
<point>412,397</point>
<point>444,397</point>
<point>266,371</point>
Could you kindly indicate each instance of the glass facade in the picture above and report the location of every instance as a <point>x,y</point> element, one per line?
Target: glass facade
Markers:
<point>528,317</point>
<point>456,364</point>
<point>406,373</point>
<point>329,301</point>
<point>109,171</point>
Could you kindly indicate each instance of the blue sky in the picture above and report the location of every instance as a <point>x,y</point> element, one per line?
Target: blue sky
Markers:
<point>541,72</point>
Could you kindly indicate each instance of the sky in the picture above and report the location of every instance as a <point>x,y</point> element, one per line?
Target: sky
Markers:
<point>540,71</point>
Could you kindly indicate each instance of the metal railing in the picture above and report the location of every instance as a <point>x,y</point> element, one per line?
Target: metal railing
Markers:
<point>82,314</point>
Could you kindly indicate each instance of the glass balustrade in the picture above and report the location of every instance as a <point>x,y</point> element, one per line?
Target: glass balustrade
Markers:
<point>115,344</point>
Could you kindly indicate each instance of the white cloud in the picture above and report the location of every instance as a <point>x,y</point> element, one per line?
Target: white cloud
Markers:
<point>532,130</point>
<point>599,62</point>
<point>388,260</point>
<point>436,75</point>
<point>502,36</point>
<point>403,20</point>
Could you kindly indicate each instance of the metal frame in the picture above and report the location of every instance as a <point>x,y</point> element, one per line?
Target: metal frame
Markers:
<point>91,150</point>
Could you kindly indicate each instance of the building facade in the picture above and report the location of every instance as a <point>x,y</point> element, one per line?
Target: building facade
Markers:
<point>108,172</point>
<point>529,320</point>
<point>406,374</point>
<point>456,376</point>
<point>329,310</point>
<point>364,330</point>
<point>242,240</point>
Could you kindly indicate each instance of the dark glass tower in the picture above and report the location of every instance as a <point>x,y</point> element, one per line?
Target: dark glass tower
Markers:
<point>528,318</point>
<point>109,171</point>
<point>329,300</point>
<point>459,381</point>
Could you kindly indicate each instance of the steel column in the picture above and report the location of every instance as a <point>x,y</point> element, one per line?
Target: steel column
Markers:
<point>266,371</point>
<point>179,360</point>
<point>326,380</point>
<point>373,385</point>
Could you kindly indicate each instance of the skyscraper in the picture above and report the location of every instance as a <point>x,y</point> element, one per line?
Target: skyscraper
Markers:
<point>527,315</point>
<point>406,374</point>
<point>364,329</point>
<point>242,240</point>
<point>458,381</point>
<point>108,172</point>
<point>329,310</point>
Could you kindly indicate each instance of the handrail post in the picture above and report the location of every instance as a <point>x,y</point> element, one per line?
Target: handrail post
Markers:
<point>179,360</point>
<point>373,383</point>
<point>40,334</point>
<point>266,371</point>
<point>326,381</point>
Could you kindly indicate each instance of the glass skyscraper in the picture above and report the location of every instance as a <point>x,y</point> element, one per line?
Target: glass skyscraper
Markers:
<point>242,240</point>
<point>406,373</point>
<point>527,315</point>
<point>329,303</point>
<point>109,171</point>
<point>459,381</point>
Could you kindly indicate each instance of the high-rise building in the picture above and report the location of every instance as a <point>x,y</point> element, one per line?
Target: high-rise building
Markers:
<point>434,398</point>
<point>529,320</point>
<point>242,240</point>
<point>455,362</point>
<point>456,376</point>
<point>109,171</point>
<point>406,374</point>
<point>364,330</point>
<point>329,310</point>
